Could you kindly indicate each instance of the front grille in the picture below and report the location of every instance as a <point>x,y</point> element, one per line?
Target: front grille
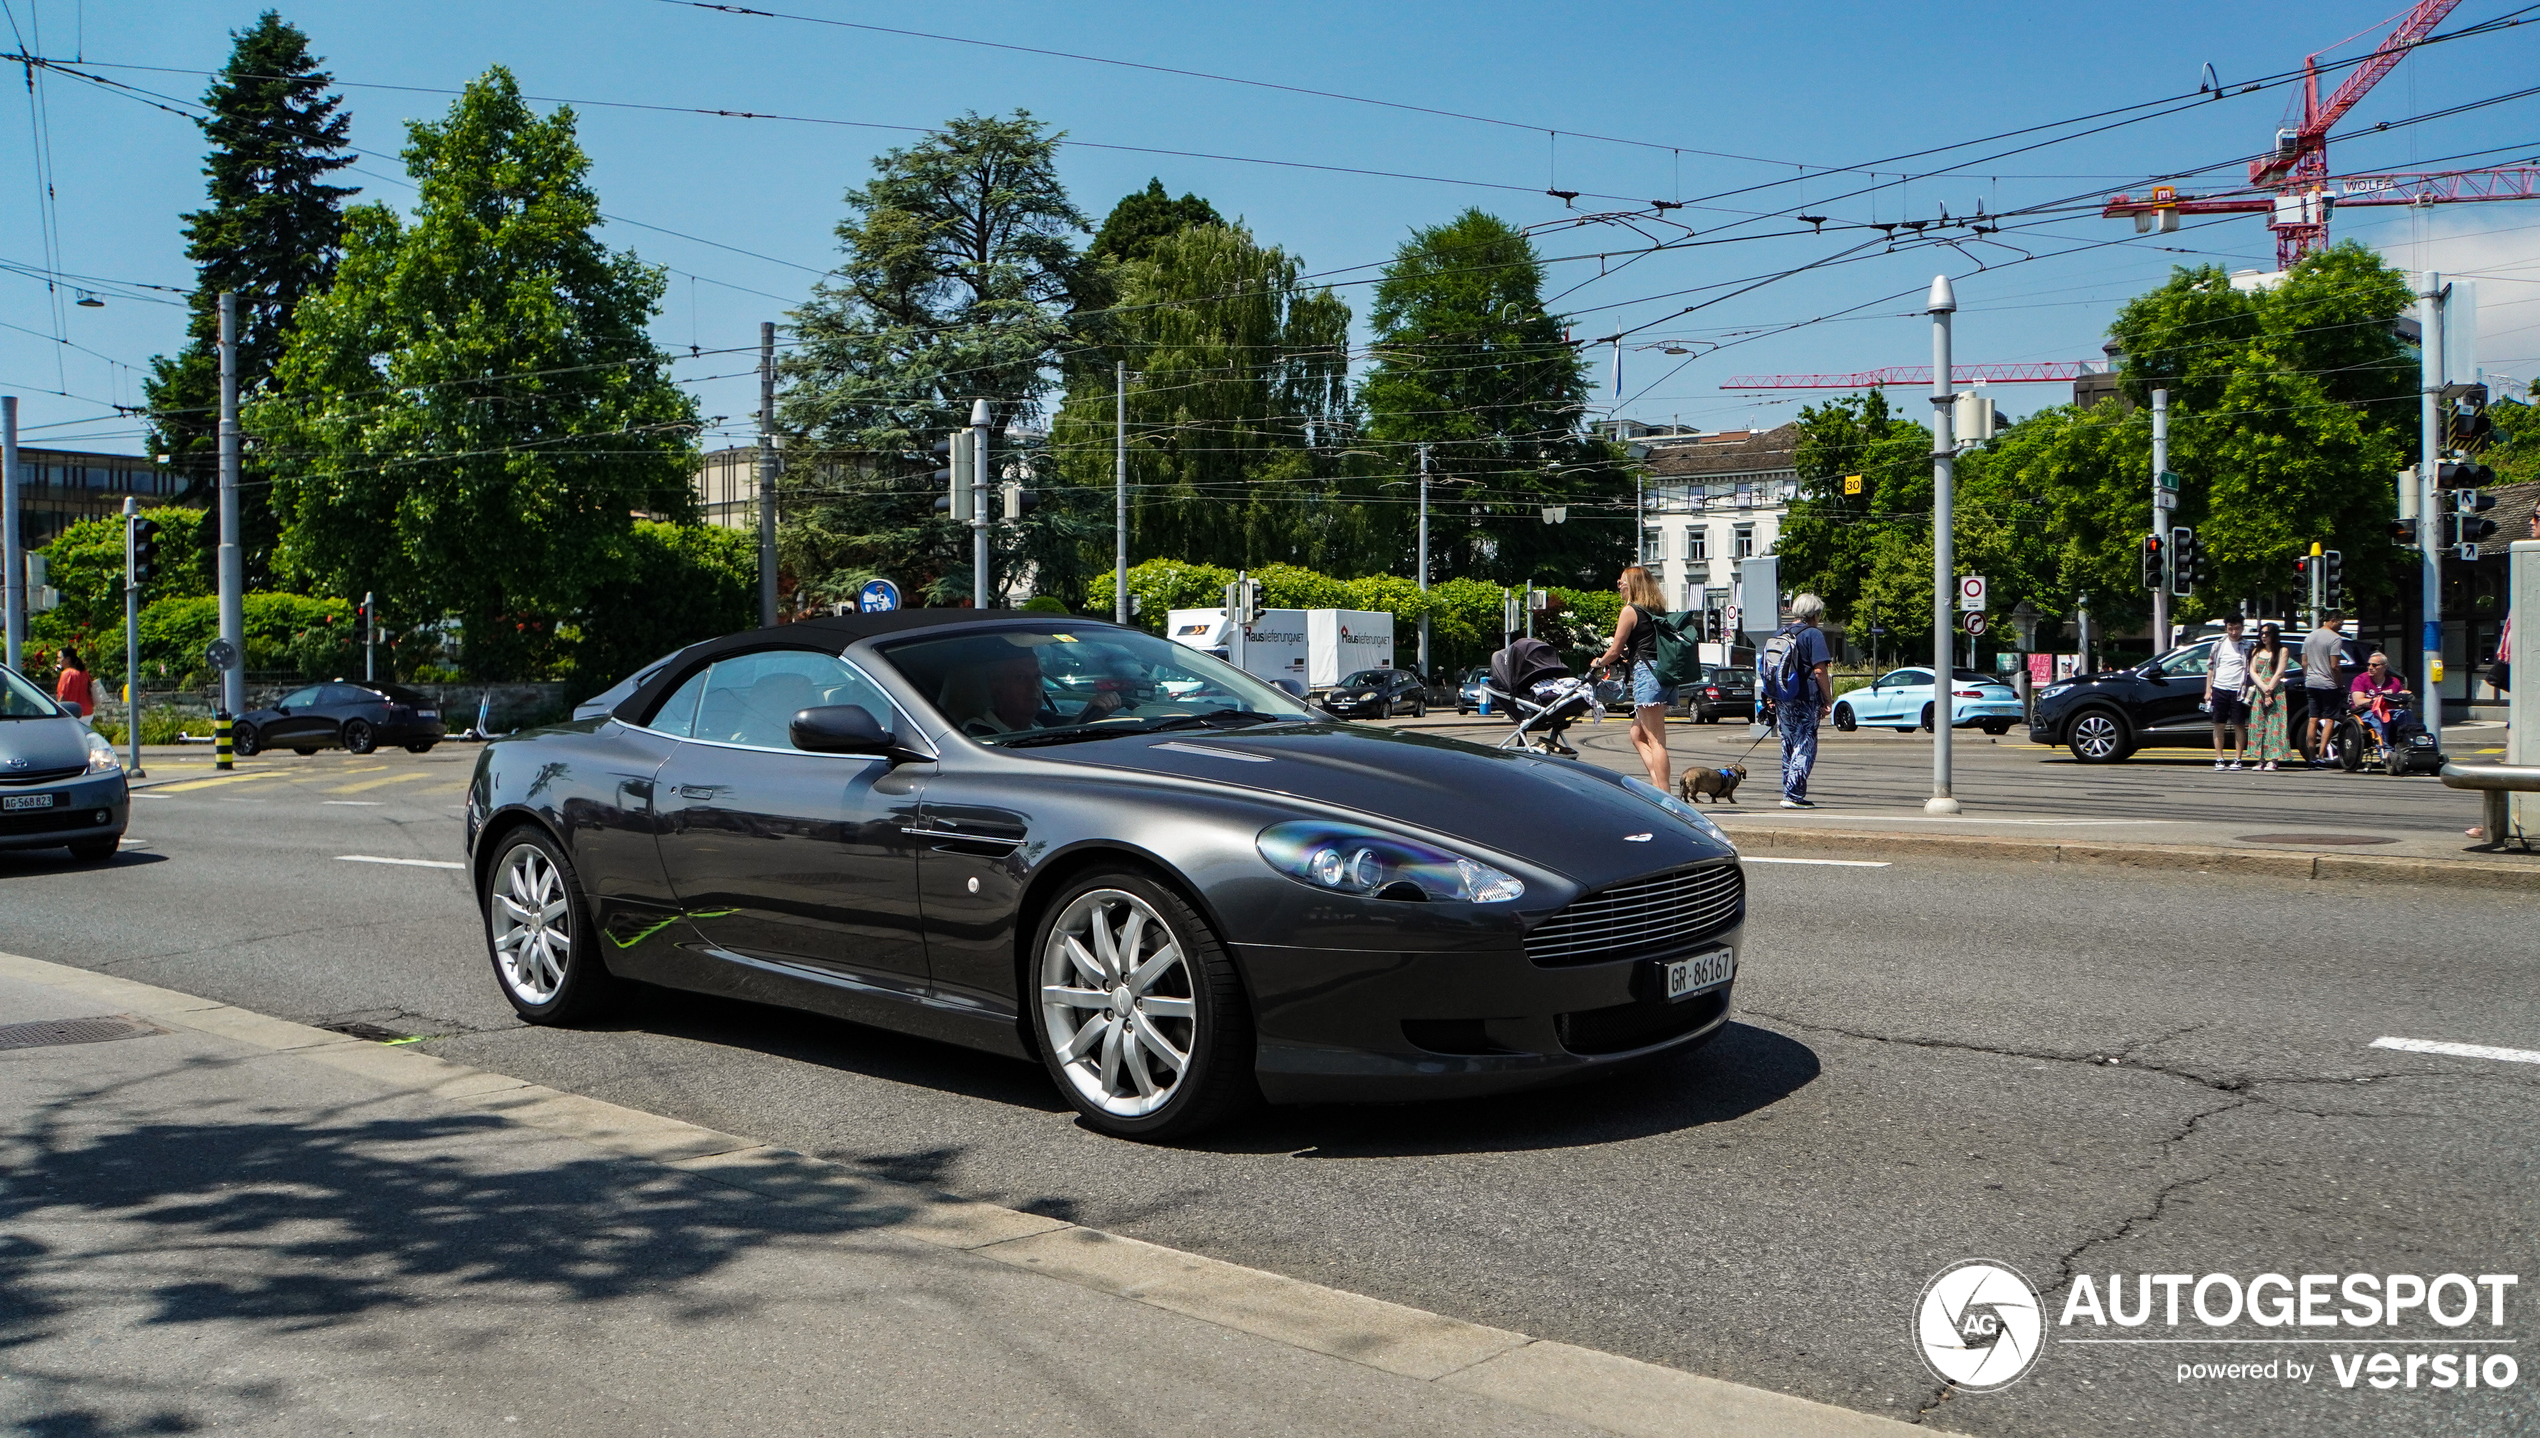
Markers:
<point>41,776</point>
<point>1643,918</point>
<point>1626,1027</point>
<point>49,821</point>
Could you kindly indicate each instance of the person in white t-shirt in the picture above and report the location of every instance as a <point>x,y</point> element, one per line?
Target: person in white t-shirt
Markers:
<point>2226,685</point>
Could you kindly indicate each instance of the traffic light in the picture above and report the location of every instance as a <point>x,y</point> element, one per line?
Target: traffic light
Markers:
<point>2403,533</point>
<point>2187,562</point>
<point>2333,580</point>
<point>2467,528</point>
<point>2466,427</point>
<point>1243,601</point>
<point>2463,475</point>
<point>145,550</point>
<point>1018,500</point>
<point>954,449</point>
<point>2152,575</point>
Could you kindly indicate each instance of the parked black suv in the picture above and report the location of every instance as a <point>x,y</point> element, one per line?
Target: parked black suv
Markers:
<point>2105,717</point>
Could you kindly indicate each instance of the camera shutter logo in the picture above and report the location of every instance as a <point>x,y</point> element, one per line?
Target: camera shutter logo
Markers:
<point>1979,1325</point>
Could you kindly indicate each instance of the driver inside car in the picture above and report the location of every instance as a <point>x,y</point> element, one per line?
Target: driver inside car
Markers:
<point>1004,696</point>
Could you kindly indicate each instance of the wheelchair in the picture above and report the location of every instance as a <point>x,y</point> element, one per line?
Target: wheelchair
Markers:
<point>2409,749</point>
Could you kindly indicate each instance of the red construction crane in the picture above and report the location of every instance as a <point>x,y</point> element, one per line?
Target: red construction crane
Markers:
<point>2293,186</point>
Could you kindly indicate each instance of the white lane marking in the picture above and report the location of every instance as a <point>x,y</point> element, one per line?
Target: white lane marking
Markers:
<point>354,803</point>
<point>1835,863</point>
<point>2459,1051</point>
<point>412,863</point>
<point>146,794</point>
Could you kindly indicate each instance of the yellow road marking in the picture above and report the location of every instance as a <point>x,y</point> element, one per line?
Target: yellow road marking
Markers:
<point>375,783</point>
<point>191,784</point>
<point>361,768</point>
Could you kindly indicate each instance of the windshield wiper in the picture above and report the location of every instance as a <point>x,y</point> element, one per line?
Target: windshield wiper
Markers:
<point>1214,719</point>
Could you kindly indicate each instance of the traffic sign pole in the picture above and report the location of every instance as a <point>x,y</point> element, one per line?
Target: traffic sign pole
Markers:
<point>1944,461</point>
<point>2160,509</point>
<point>2429,482</point>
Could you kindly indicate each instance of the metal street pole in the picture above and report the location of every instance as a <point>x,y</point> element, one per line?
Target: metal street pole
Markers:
<point>13,585</point>
<point>1120,496</point>
<point>370,635</point>
<point>766,473</point>
<point>2160,464</point>
<point>233,572</point>
<point>131,643</point>
<point>1944,579</point>
<point>1424,559</point>
<point>2429,491</point>
<point>979,504</point>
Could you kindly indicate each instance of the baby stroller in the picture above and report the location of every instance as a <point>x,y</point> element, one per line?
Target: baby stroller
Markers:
<point>1541,695</point>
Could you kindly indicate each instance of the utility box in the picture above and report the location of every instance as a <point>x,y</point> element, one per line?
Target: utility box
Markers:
<point>1340,642</point>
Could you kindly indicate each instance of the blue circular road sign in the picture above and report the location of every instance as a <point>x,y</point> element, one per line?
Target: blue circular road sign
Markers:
<point>878,596</point>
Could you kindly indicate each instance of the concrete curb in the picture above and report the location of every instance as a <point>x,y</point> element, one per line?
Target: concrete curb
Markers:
<point>2275,863</point>
<point>1582,1385</point>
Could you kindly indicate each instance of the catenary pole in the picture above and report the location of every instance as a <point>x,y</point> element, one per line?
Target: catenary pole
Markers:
<point>979,504</point>
<point>1944,579</point>
<point>1424,561</point>
<point>2430,522</point>
<point>370,635</point>
<point>12,557</point>
<point>766,473</point>
<point>131,640</point>
<point>1120,492</point>
<point>2160,463</point>
<point>232,569</point>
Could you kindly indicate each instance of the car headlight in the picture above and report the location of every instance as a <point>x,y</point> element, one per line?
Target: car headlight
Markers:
<point>1346,859</point>
<point>1676,806</point>
<point>2051,690</point>
<point>101,755</point>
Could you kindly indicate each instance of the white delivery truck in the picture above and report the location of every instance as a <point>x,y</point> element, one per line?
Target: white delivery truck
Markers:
<point>1317,648</point>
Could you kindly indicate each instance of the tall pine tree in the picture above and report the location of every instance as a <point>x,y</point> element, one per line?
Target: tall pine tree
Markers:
<point>272,233</point>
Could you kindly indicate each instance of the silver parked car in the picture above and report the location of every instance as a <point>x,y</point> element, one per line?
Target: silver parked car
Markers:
<point>60,786</point>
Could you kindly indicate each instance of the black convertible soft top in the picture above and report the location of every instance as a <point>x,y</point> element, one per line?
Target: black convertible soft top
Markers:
<point>827,634</point>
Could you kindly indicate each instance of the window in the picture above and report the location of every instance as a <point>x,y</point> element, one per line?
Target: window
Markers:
<point>300,698</point>
<point>751,700</point>
<point>1746,541</point>
<point>333,694</point>
<point>678,713</point>
<point>1904,679</point>
<point>1025,683</point>
<point>1653,546</point>
<point>1697,544</point>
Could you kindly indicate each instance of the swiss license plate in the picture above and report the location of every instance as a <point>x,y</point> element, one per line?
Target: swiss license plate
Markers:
<point>427,713</point>
<point>1686,977</point>
<point>27,801</point>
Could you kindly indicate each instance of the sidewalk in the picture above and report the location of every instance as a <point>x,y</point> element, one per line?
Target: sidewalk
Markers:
<point>215,1220</point>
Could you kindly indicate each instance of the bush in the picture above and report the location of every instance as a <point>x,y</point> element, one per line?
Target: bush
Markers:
<point>1045,604</point>
<point>676,584</point>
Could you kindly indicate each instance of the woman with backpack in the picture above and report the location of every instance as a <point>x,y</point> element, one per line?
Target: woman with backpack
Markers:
<point>1636,642</point>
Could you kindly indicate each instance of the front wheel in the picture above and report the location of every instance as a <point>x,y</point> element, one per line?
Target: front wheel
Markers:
<point>536,933</point>
<point>359,737</point>
<point>2098,737</point>
<point>242,740</point>
<point>96,851</point>
<point>1843,721</point>
<point>1142,1021</point>
<point>2350,747</point>
<point>1419,708</point>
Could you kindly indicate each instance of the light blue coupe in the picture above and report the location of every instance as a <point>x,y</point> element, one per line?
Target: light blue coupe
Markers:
<point>1901,700</point>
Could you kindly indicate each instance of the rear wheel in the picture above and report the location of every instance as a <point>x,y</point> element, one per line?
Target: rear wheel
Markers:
<point>1927,709</point>
<point>2098,736</point>
<point>2350,747</point>
<point>537,934</point>
<point>1843,720</point>
<point>359,737</point>
<point>1142,1021</point>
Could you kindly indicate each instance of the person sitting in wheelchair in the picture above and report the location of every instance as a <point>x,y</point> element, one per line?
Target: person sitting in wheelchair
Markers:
<point>2377,697</point>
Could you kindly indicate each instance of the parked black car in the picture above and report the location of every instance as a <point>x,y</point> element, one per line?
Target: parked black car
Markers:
<point>1724,693</point>
<point>359,717</point>
<point>2105,717</point>
<point>59,783</point>
<point>1177,897</point>
<point>1379,694</point>
<point>1468,688</point>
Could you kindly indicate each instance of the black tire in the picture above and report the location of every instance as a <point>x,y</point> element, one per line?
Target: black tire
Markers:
<point>1996,728</point>
<point>242,740</point>
<point>1419,708</point>
<point>1927,717</point>
<point>96,851</point>
<point>1844,723</point>
<point>304,753</point>
<point>1217,1080</point>
<point>2099,736</point>
<point>2395,763</point>
<point>581,983</point>
<point>359,737</point>
<point>419,748</point>
<point>2350,747</point>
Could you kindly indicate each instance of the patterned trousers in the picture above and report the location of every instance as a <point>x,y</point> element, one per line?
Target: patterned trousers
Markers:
<point>1798,724</point>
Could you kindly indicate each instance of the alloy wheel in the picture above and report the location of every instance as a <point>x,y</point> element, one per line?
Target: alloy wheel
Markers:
<point>358,737</point>
<point>1117,1004</point>
<point>532,924</point>
<point>2095,737</point>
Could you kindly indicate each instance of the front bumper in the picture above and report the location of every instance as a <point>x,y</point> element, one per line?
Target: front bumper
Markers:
<point>93,807</point>
<point>1360,1026</point>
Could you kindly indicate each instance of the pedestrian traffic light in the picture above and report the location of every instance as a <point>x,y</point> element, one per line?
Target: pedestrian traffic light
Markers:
<point>2467,527</point>
<point>2187,560</point>
<point>145,549</point>
<point>2152,575</point>
<point>2332,580</point>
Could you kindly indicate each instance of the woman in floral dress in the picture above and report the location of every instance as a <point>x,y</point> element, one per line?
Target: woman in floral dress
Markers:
<point>2267,701</point>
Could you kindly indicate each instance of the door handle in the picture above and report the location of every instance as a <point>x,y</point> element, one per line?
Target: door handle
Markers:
<point>698,791</point>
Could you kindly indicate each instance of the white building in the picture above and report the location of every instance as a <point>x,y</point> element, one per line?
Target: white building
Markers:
<point>1711,502</point>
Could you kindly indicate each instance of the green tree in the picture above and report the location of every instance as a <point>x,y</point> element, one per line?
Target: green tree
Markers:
<point>959,263</point>
<point>86,564</point>
<point>676,584</point>
<point>1242,388</point>
<point>1130,232</point>
<point>271,234</point>
<point>1470,363</point>
<point>466,419</point>
<point>1830,538</point>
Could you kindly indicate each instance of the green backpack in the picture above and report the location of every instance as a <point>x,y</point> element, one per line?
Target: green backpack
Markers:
<point>1680,647</point>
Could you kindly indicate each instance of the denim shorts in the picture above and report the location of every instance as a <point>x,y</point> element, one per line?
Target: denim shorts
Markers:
<point>1645,686</point>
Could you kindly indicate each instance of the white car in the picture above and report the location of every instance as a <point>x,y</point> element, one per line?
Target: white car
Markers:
<point>1902,700</point>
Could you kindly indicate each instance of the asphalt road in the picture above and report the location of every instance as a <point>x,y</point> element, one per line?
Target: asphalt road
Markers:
<point>2066,1069</point>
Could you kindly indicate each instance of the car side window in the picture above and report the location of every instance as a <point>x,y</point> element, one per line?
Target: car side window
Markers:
<point>678,713</point>
<point>751,699</point>
<point>333,694</point>
<point>1906,678</point>
<point>300,698</point>
<point>2189,663</point>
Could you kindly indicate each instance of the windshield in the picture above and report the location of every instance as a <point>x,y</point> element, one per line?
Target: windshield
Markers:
<point>1057,681</point>
<point>21,700</point>
<point>1365,679</point>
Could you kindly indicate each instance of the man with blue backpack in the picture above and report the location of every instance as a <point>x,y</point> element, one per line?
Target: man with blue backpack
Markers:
<point>1792,671</point>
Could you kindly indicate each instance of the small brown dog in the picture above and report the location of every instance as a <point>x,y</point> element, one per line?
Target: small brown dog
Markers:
<point>1718,783</point>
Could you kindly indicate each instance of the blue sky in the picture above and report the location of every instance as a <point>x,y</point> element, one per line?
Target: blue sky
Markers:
<point>1801,89</point>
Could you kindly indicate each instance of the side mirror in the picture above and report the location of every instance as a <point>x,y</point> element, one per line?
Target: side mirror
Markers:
<point>1290,687</point>
<point>838,729</point>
